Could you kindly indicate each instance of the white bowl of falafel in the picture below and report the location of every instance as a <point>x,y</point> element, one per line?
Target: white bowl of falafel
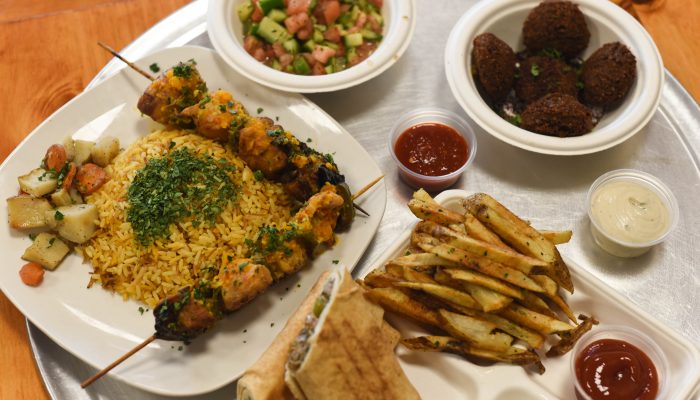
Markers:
<point>554,77</point>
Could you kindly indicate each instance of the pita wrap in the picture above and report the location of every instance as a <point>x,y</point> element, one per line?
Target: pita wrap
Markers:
<point>350,352</point>
<point>264,380</point>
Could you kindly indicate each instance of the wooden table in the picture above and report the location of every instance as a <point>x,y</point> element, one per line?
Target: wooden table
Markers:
<point>48,54</point>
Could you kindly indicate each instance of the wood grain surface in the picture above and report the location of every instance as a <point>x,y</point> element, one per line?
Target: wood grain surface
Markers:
<point>48,54</point>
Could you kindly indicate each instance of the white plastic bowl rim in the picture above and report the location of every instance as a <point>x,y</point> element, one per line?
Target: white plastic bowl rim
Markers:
<point>631,116</point>
<point>225,32</point>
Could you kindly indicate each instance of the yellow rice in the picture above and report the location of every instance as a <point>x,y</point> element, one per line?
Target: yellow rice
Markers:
<point>149,274</point>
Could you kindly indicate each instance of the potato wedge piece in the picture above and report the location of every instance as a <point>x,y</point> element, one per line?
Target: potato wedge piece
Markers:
<point>434,212</point>
<point>479,248</point>
<point>409,274</point>
<point>486,281</point>
<point>487,298</point>
<point>551,292</point>
<point>443,292</point>
<point>395,300</point>
<point>105,149</point>
<point>47,249</point>
<point>77,223</point>
<point>422,195</point>
<point>557,237</point>
<point>533,320</point>
<point>381,279</point>
<point>474,330</point>
<point>26,212</point>
<point>532,338</point>
<point>535,303</point>
<point>83,150</point>
<point>462,348</point>
<point>510,275</point>
<point>520,235</point>
<point>69,146</point>
<point>39,182</point>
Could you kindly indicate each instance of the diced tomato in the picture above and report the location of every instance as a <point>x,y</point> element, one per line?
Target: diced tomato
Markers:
<point>296,22</point>
<point>298,6</point>
<point>331,11</point>
<point>332,35</point>
<point>344,8</point>
<point>361,19</point>
<point>251,44</point>
<point>365,50</point>
<point>257,14</point>
<point>377,3</point>
<point>286,59</point>
<point>340,52</point>
<point>278,50</point>
<point>306,32</point>
<point>322,54</point>
<point>318,69</point>
<point>309,58</point>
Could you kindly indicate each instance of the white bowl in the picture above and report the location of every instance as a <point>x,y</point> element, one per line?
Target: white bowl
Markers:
<point>226,34</point>
<point>607,23</point>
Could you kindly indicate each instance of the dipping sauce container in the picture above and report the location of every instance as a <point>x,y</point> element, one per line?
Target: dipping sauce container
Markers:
<point>630,212</point>
<point>432,147</point>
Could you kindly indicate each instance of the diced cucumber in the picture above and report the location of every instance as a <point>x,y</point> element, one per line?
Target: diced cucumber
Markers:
<point>370,35</point>
<point>332,45</point>
<point>267,5</point>
<point>354,13</point>
<point>312,5</point>
<point>329,68</point>
<point>277,15</point>
<point>276,64</point>
<point>345,19</point>
<point>353,39</point>
<point>351,54</point>
<point>377,17</point>
<point>245,10</point>
<point>318,36</point>
<point>272,32</point>
<point>362,3</point>
<point>291,45</point>
<point>339,64</point>
<point>310,45</point>
<point>320,27</point>
<point>254,27</point>
<point>301,66</point>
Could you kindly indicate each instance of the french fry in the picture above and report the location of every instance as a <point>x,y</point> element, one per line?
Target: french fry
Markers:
<point>569,339</point>
<point>487,298</point>
<point>477,331</point>
<point>430,211</point>
<point>479,248</point>
<point>422,195</point>
<point>551,292</point>
<point>557,237</point>
<point>492,269</point>
<point>442,292</point>
<point>399,302</point>
<point>534,320</point>
<point>421,260</point>
<point>409,274</point>
<point>463,348</point>
<point>535,303</point>
<point>486,281</point>
<point>520,235</point>
<point>532,338</point>
<point>477,230</point>
<point>378,278</point>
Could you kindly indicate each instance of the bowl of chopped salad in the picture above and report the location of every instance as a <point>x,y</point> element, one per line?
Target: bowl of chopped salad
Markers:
<point>310,46</point>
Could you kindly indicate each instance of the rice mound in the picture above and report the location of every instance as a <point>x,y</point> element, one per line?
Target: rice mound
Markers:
<point>149,274</point>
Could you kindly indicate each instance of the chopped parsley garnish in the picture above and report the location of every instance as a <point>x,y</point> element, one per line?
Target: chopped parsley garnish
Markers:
<point>534,70</point>
<point>182,70</point>
<point>154,68</point>
<point>141,309</point>
<point>172,144</point>
<point>274,132</point>
<point>222,107</point>
<point>58,216</point>
<point>335,261</point>
<point>51,241</point>
<point>308,140</point>
<point>516,120</point>
<point>579,85</point>
<point>551,52</point>
<point>32,236</point>
<point>175,187</point>
<point>258,175</point>
<point>260,109</point>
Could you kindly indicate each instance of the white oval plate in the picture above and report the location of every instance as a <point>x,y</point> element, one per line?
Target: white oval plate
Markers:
<point>226,34</point>
<point>607,23</point>
<point>445,376</point>
<point>97,326</point>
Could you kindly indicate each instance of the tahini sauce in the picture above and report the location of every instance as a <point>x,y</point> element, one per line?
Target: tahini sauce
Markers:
<point>629,211</point>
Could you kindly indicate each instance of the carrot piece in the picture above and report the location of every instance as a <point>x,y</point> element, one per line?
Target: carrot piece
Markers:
<point>68,179</point>
<point>90,177</point>
<point>55,157</point>
<point>32,274</point>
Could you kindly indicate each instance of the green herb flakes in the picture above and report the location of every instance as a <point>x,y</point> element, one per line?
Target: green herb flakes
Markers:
<point>258,175</point>
<point>141,310</point>
<point>176,187</point>
<point>335,261</point>
<point>182,70</point>
<point>58,216</point>
<point>154,68</point>
<point>260,109</point>
<point>534,70</point>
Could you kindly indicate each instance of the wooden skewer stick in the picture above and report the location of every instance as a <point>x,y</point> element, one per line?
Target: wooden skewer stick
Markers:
<point>358,208</point>
<point>121,359</point>
<point>129,63</point>
<point>366,188</point>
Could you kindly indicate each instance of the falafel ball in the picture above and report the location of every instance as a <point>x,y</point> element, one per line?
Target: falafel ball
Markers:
<point>608,75</point>
<point>540,75</point>
<point>494,63</point>
<point>557,114</point>
<point>556,25</point>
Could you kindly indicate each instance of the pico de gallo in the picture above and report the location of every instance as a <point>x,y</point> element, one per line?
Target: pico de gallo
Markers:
<point>311,37</point>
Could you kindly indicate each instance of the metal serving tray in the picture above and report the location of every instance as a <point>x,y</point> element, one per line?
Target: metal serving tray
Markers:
<point>549,190</point>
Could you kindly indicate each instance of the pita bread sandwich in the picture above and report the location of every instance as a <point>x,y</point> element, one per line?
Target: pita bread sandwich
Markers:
<point>335,346</point>
<point>345,349</point>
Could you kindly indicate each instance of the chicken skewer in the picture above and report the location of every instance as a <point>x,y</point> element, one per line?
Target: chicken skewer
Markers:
<point>193,310</point>
<point>180,98</point>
